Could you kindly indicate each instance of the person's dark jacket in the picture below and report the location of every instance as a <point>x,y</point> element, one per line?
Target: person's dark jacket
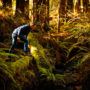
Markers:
<point>22,30</point>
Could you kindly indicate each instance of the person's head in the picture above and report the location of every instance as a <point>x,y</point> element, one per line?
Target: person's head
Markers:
<point>33,26</point>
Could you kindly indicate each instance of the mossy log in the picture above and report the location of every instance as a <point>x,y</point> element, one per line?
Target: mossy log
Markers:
<point>2,45</point>
<point>7,82</point>
<point>42,61</point>
<point>9,71</point>
<point>21,64</point>
<point>38,52</point>
<point>44,67</point>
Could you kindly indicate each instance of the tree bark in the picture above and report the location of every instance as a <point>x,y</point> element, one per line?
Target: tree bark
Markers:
<point>86,2</point>
<point>34,11</point>
<point>66,4</point>
<point>81,5</point>
<point>70,4</point>
<point>26,8</point>
<point>31,10</point>
<point>59,11</point>
<point>42,12</point>
<point>13,7</point>
<point>47,11</point>
<point>20,5</point>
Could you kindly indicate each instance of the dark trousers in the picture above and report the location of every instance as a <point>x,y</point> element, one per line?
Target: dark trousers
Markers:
<point>14,40</point>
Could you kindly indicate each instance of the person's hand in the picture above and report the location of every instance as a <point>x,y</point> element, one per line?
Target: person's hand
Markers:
<point>28,46</point>
<point>18,38</point>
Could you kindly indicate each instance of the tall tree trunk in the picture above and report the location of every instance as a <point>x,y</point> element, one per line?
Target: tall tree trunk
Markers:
<point>26,8</point>
<point>20,5</point>
<point>31,10</point>
<point>62,12</point>
<point>42,12</point>
<point>34,11</point>
<point>42,7</point>
<point>59,24</point>
<point>78,6</point>
<point>70,4</point>
<point>86,2</point>
<point>66,4</point>
<point>38,3</point>
<point>47,11</point>
<point>13,7</point>
<point>75,5</point>
<point>81,5</point>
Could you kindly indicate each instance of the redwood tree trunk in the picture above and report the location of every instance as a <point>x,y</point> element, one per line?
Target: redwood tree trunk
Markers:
<point>34,11</point>
<point>26,8</point>
<point>70,4</point>
<point>20,5</point>
<point>86,2</point>
<point>47,11</point>
<point>59,11</point>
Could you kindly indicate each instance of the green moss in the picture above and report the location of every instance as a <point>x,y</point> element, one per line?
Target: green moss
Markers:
<point>30,73</point>
<point>83,59</point>
<point>59,79</point>
<point>4,53</point>
<point>7,54</point>
<point>38,52</point>
<point>1,59</point>
<point>45,74</point>
<point>43,64</point>
<point>21,64</point>
<point>5,74</point>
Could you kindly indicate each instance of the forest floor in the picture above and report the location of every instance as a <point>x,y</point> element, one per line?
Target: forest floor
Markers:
<point>60,61</point>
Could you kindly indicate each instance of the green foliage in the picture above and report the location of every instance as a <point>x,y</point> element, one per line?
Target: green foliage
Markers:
<point>11,72</point>
<point>21,71</point>
<point>62,46</point>
<point>43,64</point>
<point>30,73</point>
<point>76,52</point>
<point>43,72</point>
<point>38,51</point>
<point>84,58</point>
<point>59,79</point>
<point>21,64</point>
<point>79,32</point>
<point>8,54</point>
<point>6,75</point>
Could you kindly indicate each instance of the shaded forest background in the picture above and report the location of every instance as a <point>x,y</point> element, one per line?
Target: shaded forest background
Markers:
<point>60,47</point>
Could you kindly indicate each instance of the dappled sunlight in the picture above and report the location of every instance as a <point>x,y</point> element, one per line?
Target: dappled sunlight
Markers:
<point>57,54</point>
<point>5,13</point>
<point>1,12</point>
<point>33,50</point>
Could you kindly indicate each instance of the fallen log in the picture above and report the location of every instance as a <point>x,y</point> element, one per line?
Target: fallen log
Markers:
<point>2,45</point>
